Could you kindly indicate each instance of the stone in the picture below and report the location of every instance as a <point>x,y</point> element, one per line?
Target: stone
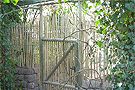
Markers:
<point>26,78</point>
<point>30,78</point>
<point>25,89</point>
<point>20,71</point>
<point>24,83</point>
<point>20,77</point>
<point>24,70</point>
<point>32,85</point>
<point>18,83</point>
<point>37,88</point>
<point>21,84</point>
<point>29,71</point>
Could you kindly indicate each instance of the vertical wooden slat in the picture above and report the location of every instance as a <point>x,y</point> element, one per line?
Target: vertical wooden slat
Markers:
<point>23,40</point>
<point>80,45</point>
<point>41,46</point>
<point>77,67</point>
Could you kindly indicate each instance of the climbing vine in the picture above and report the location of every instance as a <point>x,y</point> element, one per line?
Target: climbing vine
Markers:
<point>116,24</point>
<point>10,14</point>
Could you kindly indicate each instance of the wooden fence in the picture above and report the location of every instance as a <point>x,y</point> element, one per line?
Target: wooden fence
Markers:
<point>24,38</point>
<point>57,29</point>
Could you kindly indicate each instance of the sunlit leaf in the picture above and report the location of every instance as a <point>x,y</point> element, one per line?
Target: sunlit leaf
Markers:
<point>98,2</point>
<point>90,7</point>
<point>15,2</point>
<point>59,1</point>
<point>104,31</point>
<point>6,1</point>
<point>85,11</point>
<point>85,5</point>
<point>99,43</point>
<point>97,22</point>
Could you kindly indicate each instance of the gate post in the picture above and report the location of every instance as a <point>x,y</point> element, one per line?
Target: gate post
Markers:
<point>79,48</point>
<point>41,48</point>
<point>78,77</point>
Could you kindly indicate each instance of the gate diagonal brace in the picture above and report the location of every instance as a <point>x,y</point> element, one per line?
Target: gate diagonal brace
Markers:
<point>61,60</point>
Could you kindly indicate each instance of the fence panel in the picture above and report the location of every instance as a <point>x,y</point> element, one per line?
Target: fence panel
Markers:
<point>54,53</point>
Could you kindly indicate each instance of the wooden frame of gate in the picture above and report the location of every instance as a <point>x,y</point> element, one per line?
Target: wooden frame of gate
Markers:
<point>78,53</point>
<point>77,60</point>
<point>74,45</point>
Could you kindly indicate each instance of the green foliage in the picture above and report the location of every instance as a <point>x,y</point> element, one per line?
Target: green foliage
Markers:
<point>15,2</point>
<point>6,1</point>
<point>59,1</point>
<point>10,15</point>
<point>116,22</point>
<point>99,43</point>
<point>12,1</point>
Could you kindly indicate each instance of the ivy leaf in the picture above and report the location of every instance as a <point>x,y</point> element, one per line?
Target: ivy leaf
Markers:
<point>99,43</point>
<point>97,22</point>
<point>119,84</point>
<point>133,1</point>
<point>65,0</point>
<point>132,27</point>
<point>92,1</point>
<point>85,11</point>
<point>0,18</point>
<point>104,32</point>
<point>6,1</point>
<point>59,1</point>
<point>90,7</point>
<point>98,12</point>
<point>131,87</point>
<point>98,2</point>
<point>133,47</point>
<point>15,2</point>
<point>85,5</point>
<point>130,6</point>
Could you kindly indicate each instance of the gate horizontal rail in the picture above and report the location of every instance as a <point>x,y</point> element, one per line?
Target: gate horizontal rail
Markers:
<point>59,40</point>
<point>59,84</point>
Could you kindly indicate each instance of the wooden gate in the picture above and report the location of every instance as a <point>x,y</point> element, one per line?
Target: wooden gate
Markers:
<point>60,64</point>
<point>60,58</point>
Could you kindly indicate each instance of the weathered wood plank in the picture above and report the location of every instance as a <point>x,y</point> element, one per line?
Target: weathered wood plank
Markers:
<point>59,84</point>
<point>41,46</point>
<point>61,60</point>
<point>59,40</point>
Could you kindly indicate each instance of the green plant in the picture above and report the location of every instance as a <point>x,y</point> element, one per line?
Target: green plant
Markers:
<point>10,15</point>
<point>116,23</point>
